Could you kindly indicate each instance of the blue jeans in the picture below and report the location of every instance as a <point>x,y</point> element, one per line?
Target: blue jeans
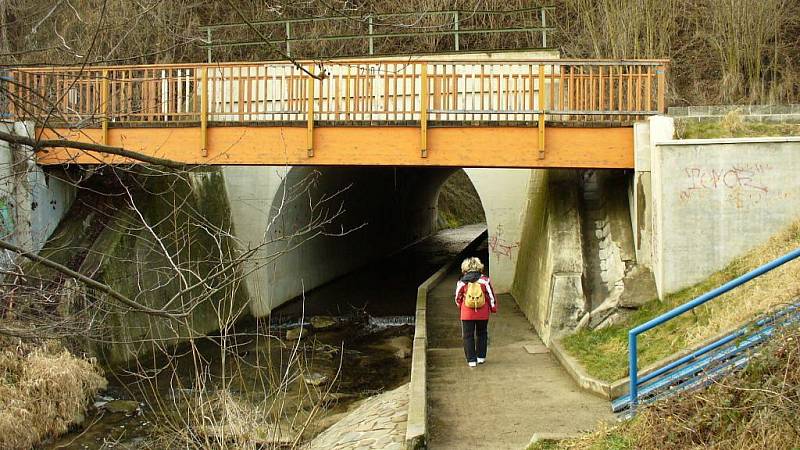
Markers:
<point>475,338</point>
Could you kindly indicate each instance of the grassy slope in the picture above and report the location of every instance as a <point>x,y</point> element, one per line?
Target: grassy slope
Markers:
<point>459,203</point>
<point>756,408</point>
<point>604,353</point>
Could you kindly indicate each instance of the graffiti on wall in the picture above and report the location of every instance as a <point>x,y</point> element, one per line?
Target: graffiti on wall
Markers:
<point>743,185</point>
<point>500,247</point>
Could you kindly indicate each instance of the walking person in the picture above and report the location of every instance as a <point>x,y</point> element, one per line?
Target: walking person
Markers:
<point>475,298</point>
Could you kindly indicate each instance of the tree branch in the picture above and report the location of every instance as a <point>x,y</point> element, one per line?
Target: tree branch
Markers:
<point>90,282</point>
<point>90,147</point>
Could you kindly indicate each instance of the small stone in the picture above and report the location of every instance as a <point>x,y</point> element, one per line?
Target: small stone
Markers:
<point>400,418</point>
<point>294,334</point>
<point>323,322</point>
<point>315,378</point>
<point>122,406</point>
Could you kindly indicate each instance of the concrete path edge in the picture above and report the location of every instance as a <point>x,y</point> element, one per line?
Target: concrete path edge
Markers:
<point>620,387</point>
<point>417,425</point>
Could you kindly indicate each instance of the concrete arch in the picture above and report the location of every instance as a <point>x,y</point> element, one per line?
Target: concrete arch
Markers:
<point>385,209</point>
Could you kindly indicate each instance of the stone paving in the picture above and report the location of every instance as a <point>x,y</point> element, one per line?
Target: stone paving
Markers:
<point>379,423</point>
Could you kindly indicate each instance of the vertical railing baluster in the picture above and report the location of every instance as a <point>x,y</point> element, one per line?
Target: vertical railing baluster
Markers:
<point>423,110</point>
<point>204,99</point>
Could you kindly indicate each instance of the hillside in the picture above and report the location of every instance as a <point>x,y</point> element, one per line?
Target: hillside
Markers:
<point>747,51</point>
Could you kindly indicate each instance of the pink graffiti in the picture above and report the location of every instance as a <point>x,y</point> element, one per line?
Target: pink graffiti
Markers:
<point>742,182</point>
<point>501,247</point>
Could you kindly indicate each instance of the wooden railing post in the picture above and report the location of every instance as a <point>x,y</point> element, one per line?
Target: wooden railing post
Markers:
<point>203,111</point>
<point>662,87</point>
<point>423,111</point>
<point>541,109</point>
<point>104,105</point>
<point>310,115</point>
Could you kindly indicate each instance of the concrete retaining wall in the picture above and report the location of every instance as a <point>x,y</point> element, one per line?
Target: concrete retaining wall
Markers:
<point>32,201</point>
<point>548,284</point>
<point>715,199</point>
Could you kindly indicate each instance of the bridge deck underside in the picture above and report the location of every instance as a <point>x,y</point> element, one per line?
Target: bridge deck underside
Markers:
<point>465,146</point>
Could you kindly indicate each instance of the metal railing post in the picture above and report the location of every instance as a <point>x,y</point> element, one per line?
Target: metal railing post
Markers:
<point>633,369</point>
<point>633,356</point>
<point>208,42</point>
<point>544,28</point>
<point>455,29</point>
<point>288,36</point>
<point>371,44</point>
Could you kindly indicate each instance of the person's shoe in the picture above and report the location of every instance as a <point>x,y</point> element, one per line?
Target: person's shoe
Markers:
<point>481,360</point>
<point>472,364</point>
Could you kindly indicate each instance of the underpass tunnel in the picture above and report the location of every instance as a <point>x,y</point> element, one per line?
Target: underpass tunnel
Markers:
<point>326,222</point>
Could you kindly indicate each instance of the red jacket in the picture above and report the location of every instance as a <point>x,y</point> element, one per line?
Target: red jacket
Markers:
<point>483,312</point>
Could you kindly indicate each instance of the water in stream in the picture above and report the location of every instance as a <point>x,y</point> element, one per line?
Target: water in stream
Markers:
<point>357,343</point>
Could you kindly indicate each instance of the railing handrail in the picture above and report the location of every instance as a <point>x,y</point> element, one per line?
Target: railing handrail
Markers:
<point>451,26</point>
<point>376,16</point>
<point>702,299</point>
<point>346,37</point>
<point>367,61</point>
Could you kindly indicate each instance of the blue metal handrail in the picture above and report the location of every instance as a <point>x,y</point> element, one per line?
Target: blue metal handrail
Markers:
<point>633,357</point>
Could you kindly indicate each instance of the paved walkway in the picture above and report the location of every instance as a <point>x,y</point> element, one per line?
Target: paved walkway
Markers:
<point>500,404</point>
<point>379,423</point>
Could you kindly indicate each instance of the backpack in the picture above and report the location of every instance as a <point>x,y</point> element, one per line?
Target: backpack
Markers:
<point>474,297</point>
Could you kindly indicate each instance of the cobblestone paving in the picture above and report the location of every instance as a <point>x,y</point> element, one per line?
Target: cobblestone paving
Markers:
<point>379,423</point>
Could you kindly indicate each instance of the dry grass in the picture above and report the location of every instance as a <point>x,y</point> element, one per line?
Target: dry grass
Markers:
<point>750,410</point>
<point>604,352</point>
<point>733,125</point>
<point>43,391</point>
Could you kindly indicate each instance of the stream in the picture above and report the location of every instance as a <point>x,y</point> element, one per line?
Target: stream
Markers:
<point>282,380</point>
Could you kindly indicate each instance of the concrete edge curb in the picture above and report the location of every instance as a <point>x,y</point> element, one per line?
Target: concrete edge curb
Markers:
<point>620,387</point>
<point>742,140</point>
<point>417,424</point>
<point>578,373</point>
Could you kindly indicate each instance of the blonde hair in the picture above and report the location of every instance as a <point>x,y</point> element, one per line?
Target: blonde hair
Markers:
<point>472,265</point>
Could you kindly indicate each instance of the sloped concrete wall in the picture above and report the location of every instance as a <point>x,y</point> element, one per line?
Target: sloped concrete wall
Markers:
<point>504,194</point>
<point>715,199</point>
<point>548,283</point>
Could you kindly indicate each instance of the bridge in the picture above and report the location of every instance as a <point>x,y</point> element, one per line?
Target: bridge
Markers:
<point>531,113</point>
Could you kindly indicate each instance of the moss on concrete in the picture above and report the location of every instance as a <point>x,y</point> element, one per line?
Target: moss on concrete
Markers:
<point>190,216</point>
